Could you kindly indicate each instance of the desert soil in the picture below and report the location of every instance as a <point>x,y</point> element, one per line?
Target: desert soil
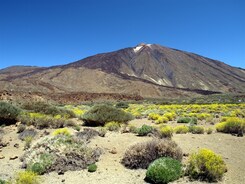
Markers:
<point>114,144</point>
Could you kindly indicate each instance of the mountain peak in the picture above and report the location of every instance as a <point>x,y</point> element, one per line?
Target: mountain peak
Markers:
<point>140,46</point>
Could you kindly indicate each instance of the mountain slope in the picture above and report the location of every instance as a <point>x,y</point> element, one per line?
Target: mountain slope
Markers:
<point>147,70</point>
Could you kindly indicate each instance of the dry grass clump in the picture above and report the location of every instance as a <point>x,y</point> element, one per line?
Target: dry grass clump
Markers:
<point>60,153</point>
<point>142,154</point>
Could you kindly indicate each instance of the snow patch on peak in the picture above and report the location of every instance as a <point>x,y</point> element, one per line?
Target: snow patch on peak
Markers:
<point>136,49</point>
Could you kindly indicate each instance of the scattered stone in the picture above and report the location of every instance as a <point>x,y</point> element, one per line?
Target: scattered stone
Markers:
<point>113,151</point>
<point>16,145</point>
<point>2,157</point>
<point>13,157</point>
<point>185,154</point>
<point>61,172</point>
<point>63,180</point>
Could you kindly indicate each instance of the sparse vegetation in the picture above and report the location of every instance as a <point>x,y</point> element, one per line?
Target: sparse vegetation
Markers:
<point>206,165</point>
<point>163,170</point>
<point>142,154</point>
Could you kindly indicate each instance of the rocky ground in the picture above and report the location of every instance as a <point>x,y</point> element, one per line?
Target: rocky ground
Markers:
<point>114,144</point>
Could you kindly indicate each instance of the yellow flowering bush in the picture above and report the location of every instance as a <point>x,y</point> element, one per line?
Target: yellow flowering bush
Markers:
<point>62,131</point>
<point>206,165</point>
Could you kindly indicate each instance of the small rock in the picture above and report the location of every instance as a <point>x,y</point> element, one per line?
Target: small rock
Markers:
<point>60,172</point>
<point>2,157</point>
<point>63,180</point>
<point>113,151</point>
<point>185,154</point>
<point>16,145</point>
<point>13,157</point>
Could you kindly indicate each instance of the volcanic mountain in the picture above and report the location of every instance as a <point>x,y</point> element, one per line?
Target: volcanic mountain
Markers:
<point>147,70</point>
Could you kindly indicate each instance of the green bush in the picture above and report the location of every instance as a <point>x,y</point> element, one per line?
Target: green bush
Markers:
<point>92,168</point>
<point>2,181</point>
<point>101,114</point>
<point>196,129</point>
<point>144,130</point>
<point>8,113</point>
<point>142,154</point>
<point>46,108</point>
<point>163,170</point>
<point>112,126</point>
<point>37,168</point>
<point>206,165</point>
<point>122,105</point>
<point>184,120</point>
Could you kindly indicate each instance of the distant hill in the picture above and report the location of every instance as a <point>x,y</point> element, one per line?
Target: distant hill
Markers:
<point>147,70</point>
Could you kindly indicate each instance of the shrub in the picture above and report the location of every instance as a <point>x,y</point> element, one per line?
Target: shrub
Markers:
<point>8,113</point>
<point>162,119</point>
<point>27,177</point>
<point>92,168</point>
<point>101,114</point>
<point>196,129</point>
<point>27,133</point>
<point>193,121</point>
<point>112,126</point>
<point>28,141</point>
<point>206,165</point>
<point>102,132</point>
<point>182,129</point>
<point>2,181</point>
<point>45,161</point>
<point>153,116</point>
<point>46,108</point>
<point>166,132</point>
<point>61,153</point>
<point>144,130</point>
<point>170,115</point>
<point>184,120</point>
<point>203,116</point>
<point>209,130</point>
<point>37,168</point>
<point>123,105</point>
<point>231,125</point>
<point>163,170</point>
<point>21,128</point>
<point>87,134</point>
<point>133,129</point>
<point>62,131</point>
<point>142,154</point>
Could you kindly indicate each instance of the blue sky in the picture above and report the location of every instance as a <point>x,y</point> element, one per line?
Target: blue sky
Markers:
<point>54,32</point>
